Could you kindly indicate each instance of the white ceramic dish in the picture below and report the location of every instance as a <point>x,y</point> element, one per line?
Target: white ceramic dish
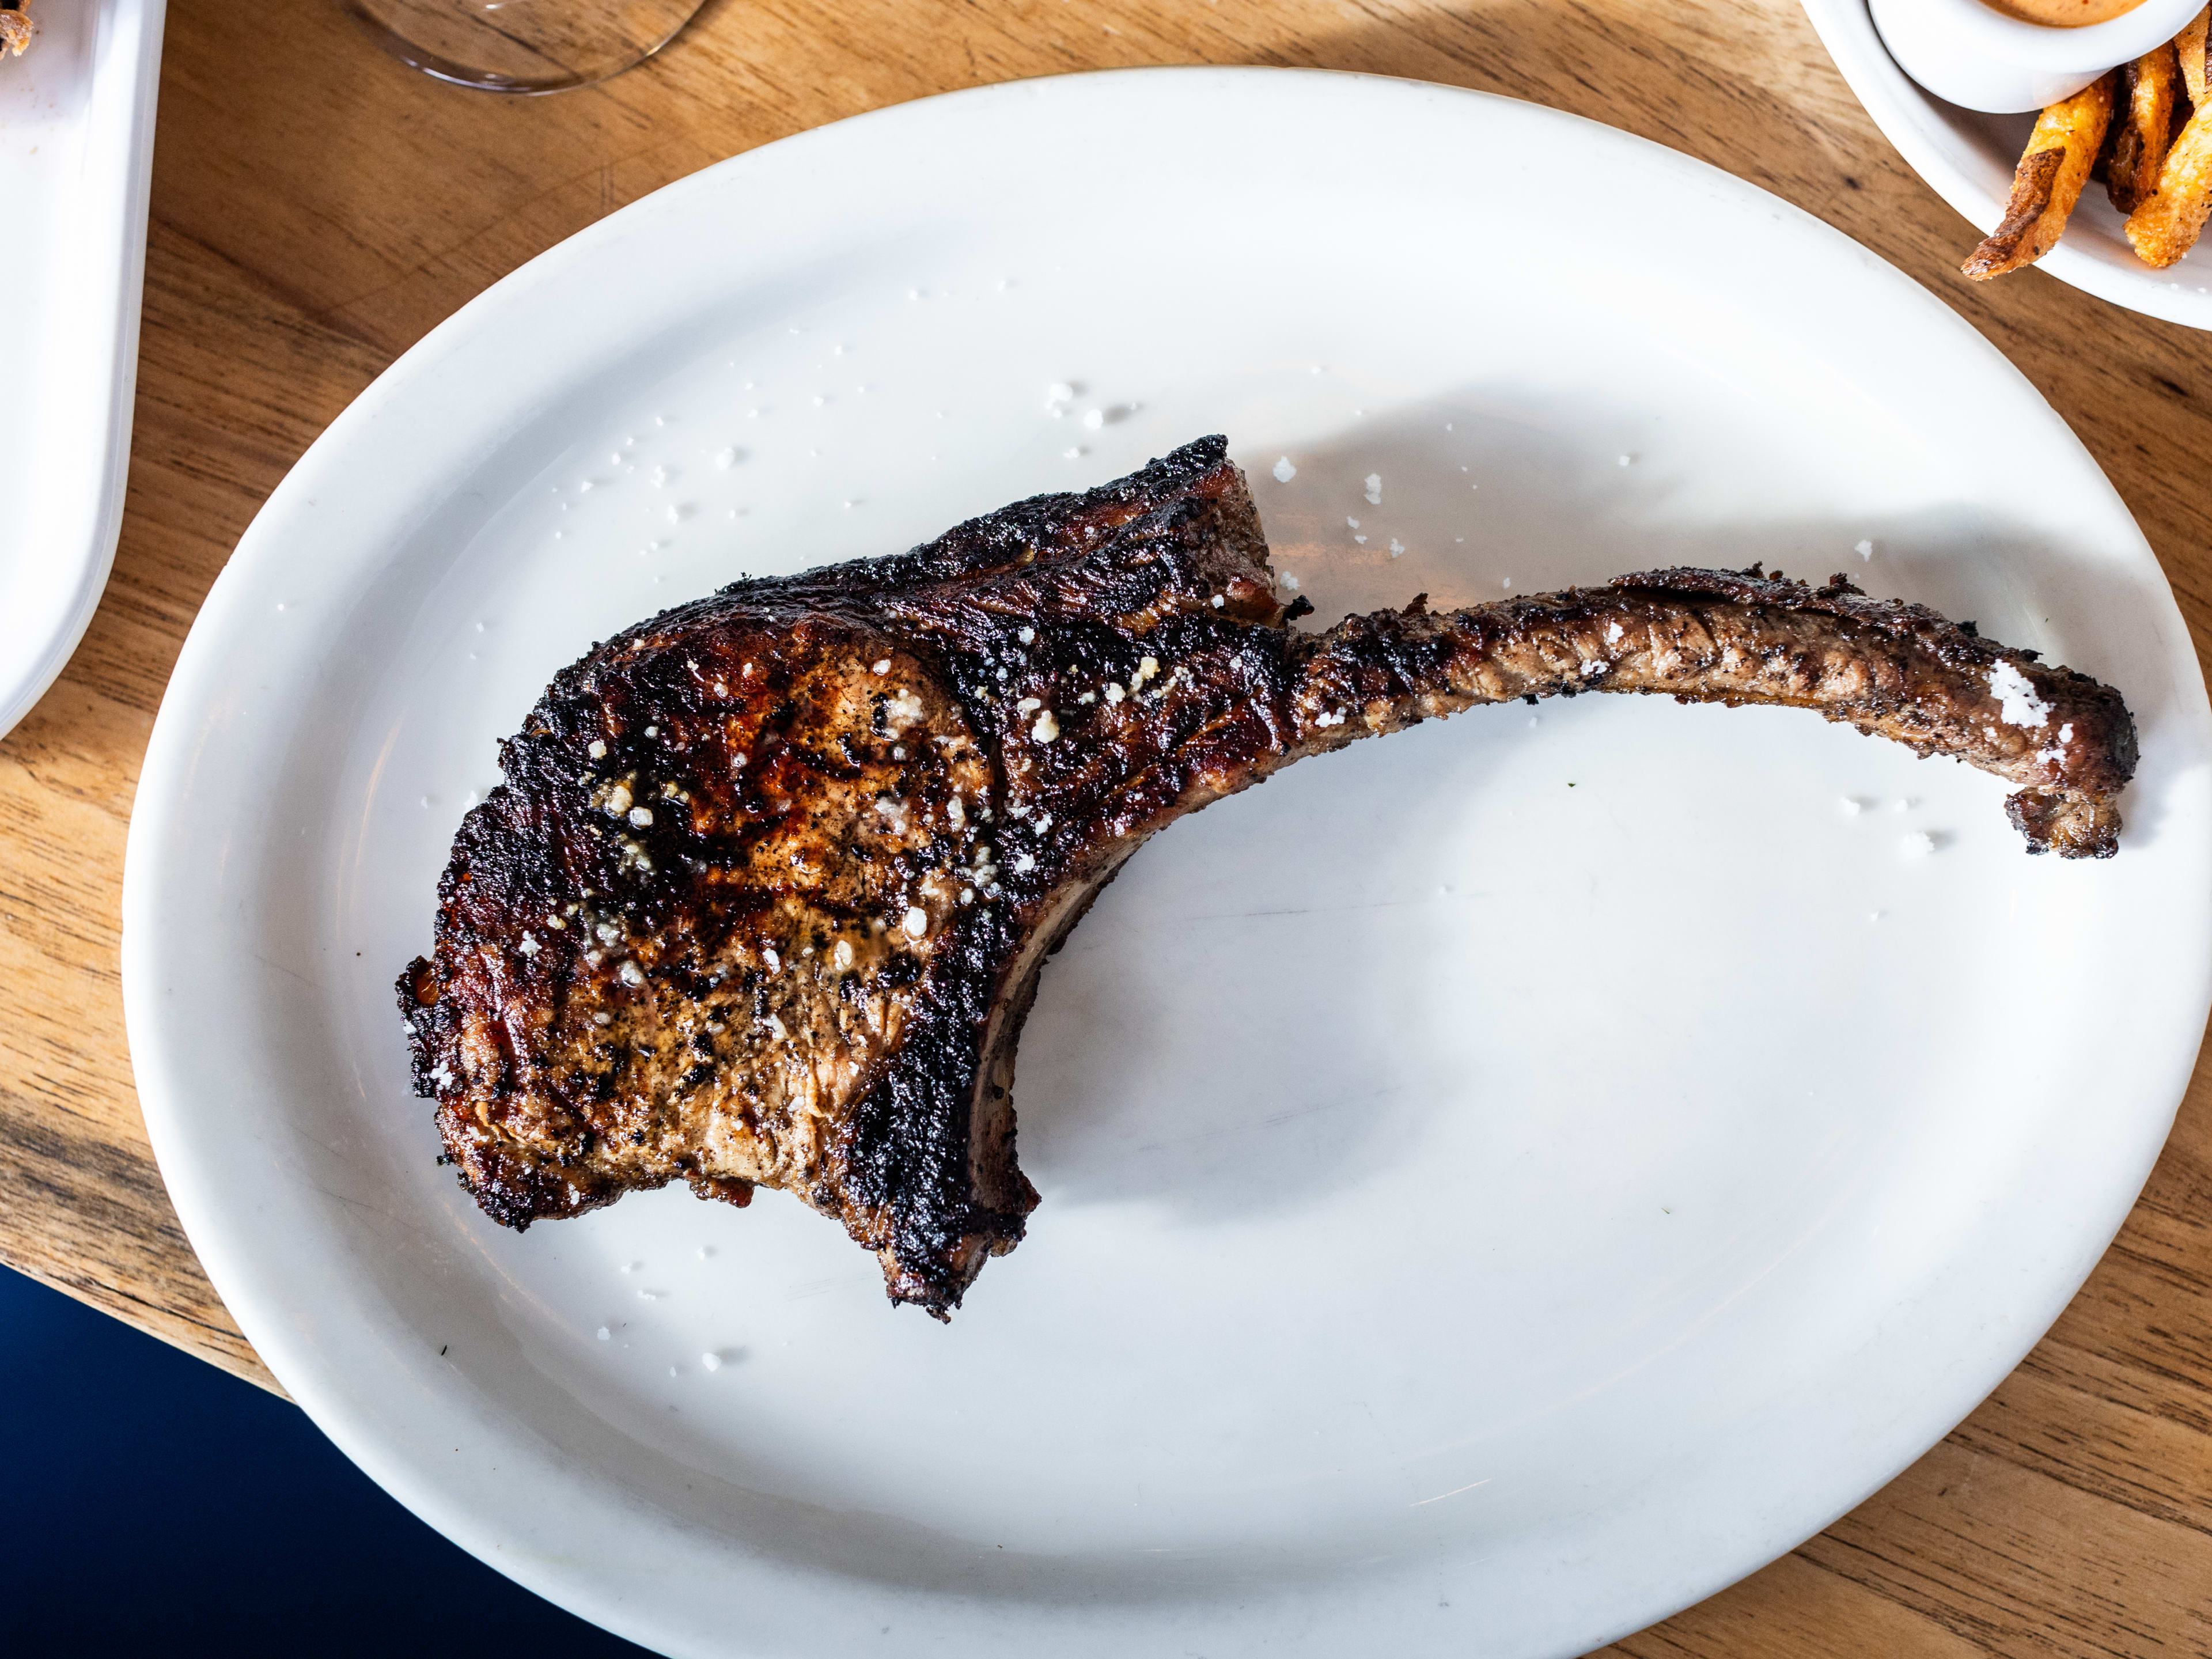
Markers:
<point>1975,55</point>
<point>1500,1183</point>
<point>76,144</point>
<point>1968,160</point>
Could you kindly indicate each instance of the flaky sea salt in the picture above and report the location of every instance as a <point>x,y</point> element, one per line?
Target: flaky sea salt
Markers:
<point>2018,702</point>
<point>1284,470</point>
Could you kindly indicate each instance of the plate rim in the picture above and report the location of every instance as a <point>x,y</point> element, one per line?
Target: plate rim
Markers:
<point>169,760</point>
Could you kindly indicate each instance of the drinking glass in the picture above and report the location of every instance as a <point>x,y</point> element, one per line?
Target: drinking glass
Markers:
<point>523,45</point>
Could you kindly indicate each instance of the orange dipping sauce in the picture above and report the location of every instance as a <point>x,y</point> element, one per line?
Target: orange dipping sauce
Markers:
<point>2064,14</point>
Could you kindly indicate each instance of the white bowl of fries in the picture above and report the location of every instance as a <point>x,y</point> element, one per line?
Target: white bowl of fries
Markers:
<point>1987,167</point>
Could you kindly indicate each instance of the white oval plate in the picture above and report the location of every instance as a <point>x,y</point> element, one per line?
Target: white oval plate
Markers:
<point>1500,1184</point>
<point>76,148</point>
<point>1967,158</point>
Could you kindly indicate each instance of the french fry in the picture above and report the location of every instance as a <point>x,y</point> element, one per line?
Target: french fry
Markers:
<point>2146,121</point>
<point>16,27</point>
<point>2190,45</point>
<point>2166,226</point>
<point>2048,181</point>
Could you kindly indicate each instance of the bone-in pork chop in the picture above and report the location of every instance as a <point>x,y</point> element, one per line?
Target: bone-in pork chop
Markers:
<point>764,898</point>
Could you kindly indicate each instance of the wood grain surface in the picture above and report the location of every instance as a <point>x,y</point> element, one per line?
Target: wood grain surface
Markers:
<point>317,208</point>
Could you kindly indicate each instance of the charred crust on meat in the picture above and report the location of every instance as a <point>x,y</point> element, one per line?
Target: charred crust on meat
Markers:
<point>766,895</point>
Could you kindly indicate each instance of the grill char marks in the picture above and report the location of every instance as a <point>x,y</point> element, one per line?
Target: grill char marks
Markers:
<point>680,956</point>
<point>804,966</point>
<point>875,797</point>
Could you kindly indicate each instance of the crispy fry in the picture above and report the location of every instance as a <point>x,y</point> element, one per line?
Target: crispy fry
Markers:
<point>2048,182</point>
<point>2139,137</point>
<point>2190,45</point>
<point>2166,226</point>
<point>16,27</point>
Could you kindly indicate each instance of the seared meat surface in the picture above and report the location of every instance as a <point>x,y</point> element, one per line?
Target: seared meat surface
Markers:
<point>764,898</point>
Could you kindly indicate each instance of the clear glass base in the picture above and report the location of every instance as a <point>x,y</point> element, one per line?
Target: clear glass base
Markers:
<point>523,45</point>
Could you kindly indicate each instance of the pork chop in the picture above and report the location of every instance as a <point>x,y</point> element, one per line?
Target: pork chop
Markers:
<point>765,896</point>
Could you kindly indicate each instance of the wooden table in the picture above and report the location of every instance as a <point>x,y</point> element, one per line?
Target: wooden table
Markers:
<point>317,209</point>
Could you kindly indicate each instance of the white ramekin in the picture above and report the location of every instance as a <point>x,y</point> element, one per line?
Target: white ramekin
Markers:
<point>1973,55</point>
